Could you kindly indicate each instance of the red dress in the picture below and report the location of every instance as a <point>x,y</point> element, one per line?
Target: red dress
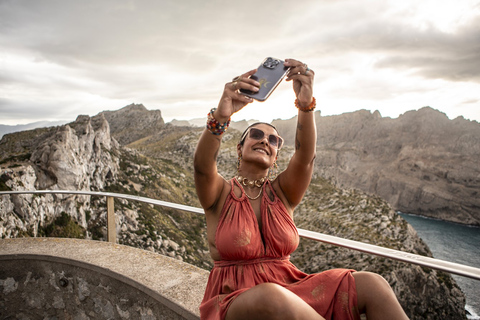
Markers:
<point>248,260</point>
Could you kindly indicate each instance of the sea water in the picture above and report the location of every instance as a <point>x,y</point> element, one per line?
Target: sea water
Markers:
<point>455,243</point>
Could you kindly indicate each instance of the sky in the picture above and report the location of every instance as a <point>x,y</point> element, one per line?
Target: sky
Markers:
<point>60,59</point>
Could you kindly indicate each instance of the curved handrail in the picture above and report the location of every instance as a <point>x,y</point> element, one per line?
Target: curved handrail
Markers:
<point>447,266</point>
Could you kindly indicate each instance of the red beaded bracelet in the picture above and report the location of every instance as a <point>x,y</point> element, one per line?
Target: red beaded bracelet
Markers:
<point>311,107</point>
<point>214,126</point>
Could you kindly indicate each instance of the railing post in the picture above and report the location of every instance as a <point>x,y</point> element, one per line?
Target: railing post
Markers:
<point>111,228</point>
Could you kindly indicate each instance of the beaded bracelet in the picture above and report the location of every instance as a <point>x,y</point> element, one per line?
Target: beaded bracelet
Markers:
<point>214,126</point>
<point>311,107</point>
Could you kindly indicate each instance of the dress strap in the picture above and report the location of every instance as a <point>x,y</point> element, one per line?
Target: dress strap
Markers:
<point>266,194</point>
<point>233,183</point>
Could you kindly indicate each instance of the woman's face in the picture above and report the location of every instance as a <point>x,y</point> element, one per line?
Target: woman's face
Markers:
<point>260,147</point>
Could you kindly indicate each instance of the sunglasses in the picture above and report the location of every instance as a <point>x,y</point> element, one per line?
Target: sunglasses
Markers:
<point>273,140</point>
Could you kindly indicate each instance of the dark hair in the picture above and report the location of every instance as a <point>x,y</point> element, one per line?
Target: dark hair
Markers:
<point>244,134</point>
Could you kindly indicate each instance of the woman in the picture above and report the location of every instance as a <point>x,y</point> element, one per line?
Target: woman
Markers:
<point>250,226</point>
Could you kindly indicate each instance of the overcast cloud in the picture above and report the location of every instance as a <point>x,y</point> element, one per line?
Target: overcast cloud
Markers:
<point>59,59</point>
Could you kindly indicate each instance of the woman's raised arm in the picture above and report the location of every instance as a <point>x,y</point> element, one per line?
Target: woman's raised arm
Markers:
<point>295,180</point>
<point>208,182</point>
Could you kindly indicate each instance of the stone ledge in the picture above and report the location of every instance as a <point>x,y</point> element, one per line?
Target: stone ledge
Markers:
<point>177,285</point>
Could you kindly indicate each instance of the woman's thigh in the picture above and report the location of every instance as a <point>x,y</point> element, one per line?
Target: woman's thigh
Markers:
<point>270,301</point>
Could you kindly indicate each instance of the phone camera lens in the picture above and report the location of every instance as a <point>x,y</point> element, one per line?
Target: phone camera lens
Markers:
<point>271,63</point>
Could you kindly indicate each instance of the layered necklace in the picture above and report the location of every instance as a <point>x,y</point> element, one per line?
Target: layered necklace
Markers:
<point>252,183</point>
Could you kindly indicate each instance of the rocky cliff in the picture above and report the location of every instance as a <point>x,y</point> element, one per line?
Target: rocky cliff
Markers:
<point>85,155</point>
<point>421,163</point>
<point>133,122</point>
<point>71,157</point>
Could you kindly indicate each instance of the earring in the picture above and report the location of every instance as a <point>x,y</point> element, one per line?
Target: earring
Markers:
<point>272,171</point>
<point>238,163</point>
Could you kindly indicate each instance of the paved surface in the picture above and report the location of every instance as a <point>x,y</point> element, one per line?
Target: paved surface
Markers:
<point>176,281</point>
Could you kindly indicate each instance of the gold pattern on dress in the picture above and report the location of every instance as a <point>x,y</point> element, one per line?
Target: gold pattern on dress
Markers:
<point>342,298</point>
<point>318,292</point>
<point>243,238</point>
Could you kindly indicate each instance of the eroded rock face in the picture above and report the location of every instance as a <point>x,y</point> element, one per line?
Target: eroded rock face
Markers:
<point>421,163</point>
<point>84,155</point>
<point>77,156</point>
<point>133,122</point>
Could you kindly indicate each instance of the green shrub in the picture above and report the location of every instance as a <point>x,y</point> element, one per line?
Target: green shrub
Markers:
<point>64,227</point>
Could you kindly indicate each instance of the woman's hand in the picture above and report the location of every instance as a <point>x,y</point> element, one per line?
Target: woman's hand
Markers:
<point>232,100</point>
<point>302,78</point>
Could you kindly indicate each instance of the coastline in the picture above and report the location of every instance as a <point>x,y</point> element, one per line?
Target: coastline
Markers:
<point>453,242</point>
<point>438,219</point>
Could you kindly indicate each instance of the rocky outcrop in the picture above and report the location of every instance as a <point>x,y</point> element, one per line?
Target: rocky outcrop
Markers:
<point>83,155</point>
<point>133,122</point>
<point>77,156</point>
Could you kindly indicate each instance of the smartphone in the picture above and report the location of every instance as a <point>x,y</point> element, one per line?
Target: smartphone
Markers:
<point>270,73</point>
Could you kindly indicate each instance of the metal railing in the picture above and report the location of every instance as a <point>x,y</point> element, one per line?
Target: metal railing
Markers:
<point>451,267</point>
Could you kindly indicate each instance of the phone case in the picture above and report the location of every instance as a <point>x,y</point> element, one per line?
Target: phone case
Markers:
<point>270,73</point>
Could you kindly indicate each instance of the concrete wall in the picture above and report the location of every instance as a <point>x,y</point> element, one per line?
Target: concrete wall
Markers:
<point>51,278</point>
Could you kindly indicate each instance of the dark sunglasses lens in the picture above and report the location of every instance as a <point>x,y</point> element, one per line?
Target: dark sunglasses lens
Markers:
<point>256,134</point>
<point>273,140</point>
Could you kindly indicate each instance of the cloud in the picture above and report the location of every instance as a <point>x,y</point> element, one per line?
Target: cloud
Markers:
<point>438,55</point>
<point>398,44</point>
<point>86,56</point>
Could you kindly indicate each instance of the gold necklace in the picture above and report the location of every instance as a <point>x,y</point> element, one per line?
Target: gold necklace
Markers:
<point>251,183</point>
<point>254,183</point>
<point>254,198</point>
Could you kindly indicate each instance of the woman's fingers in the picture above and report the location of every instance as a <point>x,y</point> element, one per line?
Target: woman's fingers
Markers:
<point>297,69</point>
<point>245,82</point>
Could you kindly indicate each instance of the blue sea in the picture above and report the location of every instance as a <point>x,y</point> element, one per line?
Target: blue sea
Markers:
<point>456,243</point>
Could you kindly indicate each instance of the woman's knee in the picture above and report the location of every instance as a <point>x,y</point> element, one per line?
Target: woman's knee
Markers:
<point>372,288</point>
<point>370,281</point>
<point>376,298</point>
<point>272,299</point>
<point>264,301</point>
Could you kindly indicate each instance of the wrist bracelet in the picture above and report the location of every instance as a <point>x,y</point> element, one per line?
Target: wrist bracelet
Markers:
<point>214,126</point>
<point>311,107</point>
